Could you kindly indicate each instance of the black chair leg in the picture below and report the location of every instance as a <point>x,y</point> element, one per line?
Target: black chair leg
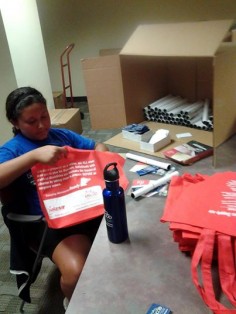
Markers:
<point>38,256</point>
<point>22,306</point>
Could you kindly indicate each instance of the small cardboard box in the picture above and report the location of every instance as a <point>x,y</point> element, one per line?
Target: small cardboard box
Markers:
<point>154,147</point>
<point>137,137</point>
<point>66,118</point>
<point>58,98</point>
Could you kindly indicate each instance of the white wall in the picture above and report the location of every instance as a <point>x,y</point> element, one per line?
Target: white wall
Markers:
<point>96,24</point>
<point>23,60</point>
<point>7,83</point>
<point>24,36</point>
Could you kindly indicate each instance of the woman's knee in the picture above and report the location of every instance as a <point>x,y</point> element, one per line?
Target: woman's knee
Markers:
<point>70,256</point>
<point>70,275</point>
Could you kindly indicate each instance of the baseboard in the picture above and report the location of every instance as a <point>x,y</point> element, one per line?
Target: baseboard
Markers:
<point>77,99</point>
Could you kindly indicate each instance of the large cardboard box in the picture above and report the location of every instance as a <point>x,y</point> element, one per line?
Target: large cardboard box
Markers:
<point>186,59</point>
<point>66,118</point>
<point>103,85</point>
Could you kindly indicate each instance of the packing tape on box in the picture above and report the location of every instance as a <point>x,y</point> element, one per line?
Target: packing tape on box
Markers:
<point>148,161</point>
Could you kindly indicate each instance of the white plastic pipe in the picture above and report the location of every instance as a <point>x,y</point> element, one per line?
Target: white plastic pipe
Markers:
<point>151,186</point>
<point>176,103</point>
<point>164,103</point>
<point>198,117</point>
<point>163,165</point>
<point>178,109</point>
<point>205,112</point>
<point>193,107</point>
<point>160,101</point>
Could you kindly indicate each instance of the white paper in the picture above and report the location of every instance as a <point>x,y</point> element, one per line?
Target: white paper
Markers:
<point>159,135</point>
<point>181,135</point>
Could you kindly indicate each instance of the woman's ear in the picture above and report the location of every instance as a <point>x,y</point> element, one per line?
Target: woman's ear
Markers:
<point>15,124</point>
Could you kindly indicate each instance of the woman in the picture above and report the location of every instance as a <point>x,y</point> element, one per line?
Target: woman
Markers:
<point>35,141</point>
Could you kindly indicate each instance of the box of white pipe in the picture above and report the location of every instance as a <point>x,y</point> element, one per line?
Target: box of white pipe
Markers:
<point>194,60</point>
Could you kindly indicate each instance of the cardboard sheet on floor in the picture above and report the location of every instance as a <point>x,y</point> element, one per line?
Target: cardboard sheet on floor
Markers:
<point>204,137</point>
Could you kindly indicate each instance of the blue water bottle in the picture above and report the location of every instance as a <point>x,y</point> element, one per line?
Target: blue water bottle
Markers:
<point>114,204</point>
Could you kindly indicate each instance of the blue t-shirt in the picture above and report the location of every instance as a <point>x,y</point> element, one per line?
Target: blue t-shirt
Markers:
<point>20,145</point>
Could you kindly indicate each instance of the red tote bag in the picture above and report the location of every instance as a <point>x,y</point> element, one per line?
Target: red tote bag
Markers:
<point>201,211</point>
<point>203,201</point>
<point>70,191</point>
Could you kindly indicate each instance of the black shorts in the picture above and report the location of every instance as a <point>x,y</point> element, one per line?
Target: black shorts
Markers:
<point>55,236</point>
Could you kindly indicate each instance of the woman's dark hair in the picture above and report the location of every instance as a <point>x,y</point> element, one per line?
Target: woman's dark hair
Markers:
<point>19,99</point>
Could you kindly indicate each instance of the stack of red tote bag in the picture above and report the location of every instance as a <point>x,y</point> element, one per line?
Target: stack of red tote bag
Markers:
<point>201,211</point>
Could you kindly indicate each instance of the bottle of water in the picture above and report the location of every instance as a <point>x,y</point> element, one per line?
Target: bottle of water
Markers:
<point>114,203</point>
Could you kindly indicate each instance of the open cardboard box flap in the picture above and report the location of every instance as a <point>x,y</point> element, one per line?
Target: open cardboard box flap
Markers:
<point>195,39</point>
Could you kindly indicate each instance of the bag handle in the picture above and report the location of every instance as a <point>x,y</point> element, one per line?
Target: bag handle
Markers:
<point>226,260</point>
<point>203,255</point>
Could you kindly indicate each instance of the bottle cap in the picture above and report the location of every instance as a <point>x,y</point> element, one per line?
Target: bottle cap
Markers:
<point>111,174</point>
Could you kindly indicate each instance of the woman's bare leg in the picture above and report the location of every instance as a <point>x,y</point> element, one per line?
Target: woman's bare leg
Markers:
<point>70,256</point>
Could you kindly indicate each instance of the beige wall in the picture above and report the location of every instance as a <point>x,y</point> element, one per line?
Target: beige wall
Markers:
<point>96,24</point>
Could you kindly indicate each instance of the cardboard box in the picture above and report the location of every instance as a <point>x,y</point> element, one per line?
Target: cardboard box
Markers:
<point>66,118</point>
<point>233,35</point>
<point>59,101</point>
<point>154,147</point>
<point>109,52</point>
<point>198,135</point>
<point>103,85</point>
<point>186,59</point>
<point>137,137</point>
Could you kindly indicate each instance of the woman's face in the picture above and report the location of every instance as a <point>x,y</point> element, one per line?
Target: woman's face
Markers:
<point>34,122</point>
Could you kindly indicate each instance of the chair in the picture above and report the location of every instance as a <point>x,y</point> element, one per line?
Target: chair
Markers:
<point>23,254</point>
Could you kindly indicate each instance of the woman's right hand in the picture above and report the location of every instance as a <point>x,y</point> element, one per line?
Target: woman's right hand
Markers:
<point>12,169</point>
<point>49,154</point>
